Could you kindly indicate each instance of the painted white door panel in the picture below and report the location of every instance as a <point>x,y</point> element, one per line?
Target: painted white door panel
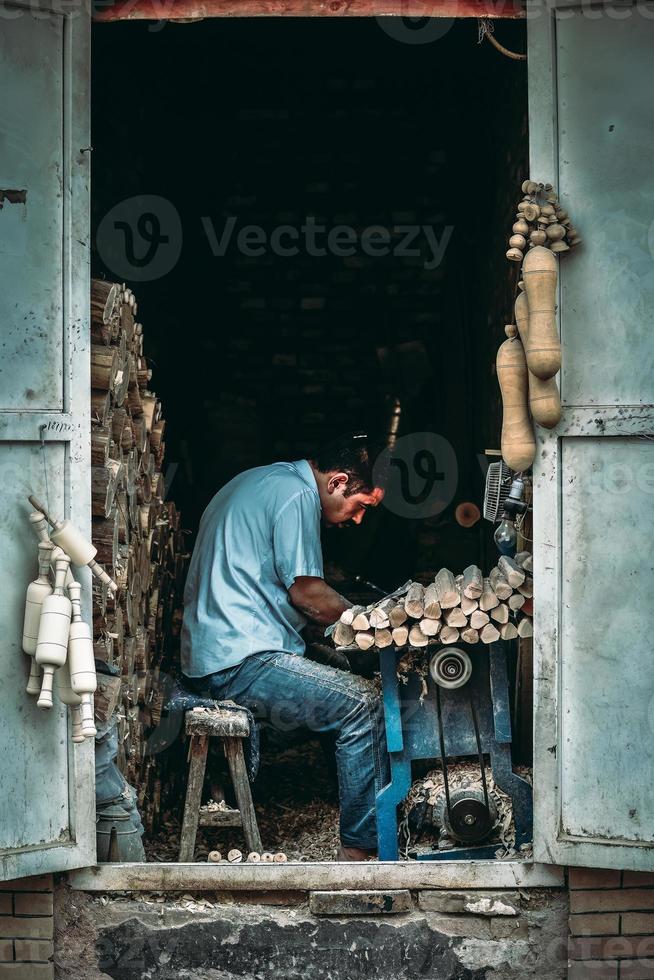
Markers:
<point>604,83</point>
<point>607,680</point>
<point>47,793</point>
<point>591,75</point>
<point>31,228</point>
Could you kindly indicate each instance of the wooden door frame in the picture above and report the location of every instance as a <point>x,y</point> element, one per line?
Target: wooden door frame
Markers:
<point>329,875</point>
<point>192,10</point>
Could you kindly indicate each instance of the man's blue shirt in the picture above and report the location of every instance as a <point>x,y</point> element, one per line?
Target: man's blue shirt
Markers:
<point>258,534</point>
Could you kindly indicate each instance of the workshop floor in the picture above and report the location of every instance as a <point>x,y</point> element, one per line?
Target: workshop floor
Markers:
<point>296,798</point>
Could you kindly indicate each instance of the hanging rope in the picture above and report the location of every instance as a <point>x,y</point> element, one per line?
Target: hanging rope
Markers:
<point>45,465</point>
<point>487,30</point>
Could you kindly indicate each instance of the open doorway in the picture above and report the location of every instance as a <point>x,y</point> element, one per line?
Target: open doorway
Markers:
<point>342,200</point>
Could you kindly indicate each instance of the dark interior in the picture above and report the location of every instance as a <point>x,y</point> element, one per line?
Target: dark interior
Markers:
<point>256,358</point>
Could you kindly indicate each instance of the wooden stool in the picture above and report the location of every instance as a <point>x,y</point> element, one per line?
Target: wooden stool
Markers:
<point>231,725</point>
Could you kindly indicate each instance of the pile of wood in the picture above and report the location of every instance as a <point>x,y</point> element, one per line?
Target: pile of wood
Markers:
<point>468,608</point>
<point>137,534</point>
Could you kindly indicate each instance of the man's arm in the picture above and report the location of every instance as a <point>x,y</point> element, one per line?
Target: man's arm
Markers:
<point>317,600</point>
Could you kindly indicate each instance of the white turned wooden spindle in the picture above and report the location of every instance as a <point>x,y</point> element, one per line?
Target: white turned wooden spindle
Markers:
<point>73,542</point>
<point>52,642</point>
<point>39,525</point>
<point>37,591</point>
<point>68,697</point>
<point>80,661</point>
<point>40,528</point>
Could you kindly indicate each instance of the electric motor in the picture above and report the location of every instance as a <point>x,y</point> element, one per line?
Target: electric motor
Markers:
<point>469,819</point>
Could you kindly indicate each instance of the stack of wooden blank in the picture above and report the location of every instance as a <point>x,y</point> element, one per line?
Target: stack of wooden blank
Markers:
<point>468,607</point>
<point>137,534</point>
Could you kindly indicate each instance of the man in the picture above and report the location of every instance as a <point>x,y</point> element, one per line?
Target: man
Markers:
<point>255,577</point>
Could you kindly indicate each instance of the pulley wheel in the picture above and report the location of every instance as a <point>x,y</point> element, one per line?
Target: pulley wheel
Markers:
<point>469,819</point>
<point>450,667</point>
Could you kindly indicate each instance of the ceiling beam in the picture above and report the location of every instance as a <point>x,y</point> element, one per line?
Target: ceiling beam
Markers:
<point>191,10</point>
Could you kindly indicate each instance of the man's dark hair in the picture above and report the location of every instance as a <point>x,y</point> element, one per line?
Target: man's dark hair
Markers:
<point>353,454</point>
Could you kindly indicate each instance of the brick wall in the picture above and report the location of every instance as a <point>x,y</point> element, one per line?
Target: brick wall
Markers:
<point>26,929</point>
<point>611,925</point>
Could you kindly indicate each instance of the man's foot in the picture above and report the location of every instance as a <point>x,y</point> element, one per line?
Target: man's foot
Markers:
<point>354,854</point>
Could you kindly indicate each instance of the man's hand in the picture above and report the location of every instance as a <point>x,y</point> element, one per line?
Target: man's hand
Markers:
<point>317,600</point>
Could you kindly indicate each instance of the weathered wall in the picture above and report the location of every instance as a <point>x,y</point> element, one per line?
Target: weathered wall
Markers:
<point>469,935</point>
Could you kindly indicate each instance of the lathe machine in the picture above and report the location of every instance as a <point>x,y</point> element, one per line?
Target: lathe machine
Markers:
<point>464,712</point>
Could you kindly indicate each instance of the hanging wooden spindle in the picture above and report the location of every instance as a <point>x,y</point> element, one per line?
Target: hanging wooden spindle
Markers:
<point>543,351</point>
<point>67,696</point>
<point>80,661</point>
<point>544,399</point>
<point>73,542</point>
<point>37,591</point>
<point>54,624</point>
<point>518,443</point>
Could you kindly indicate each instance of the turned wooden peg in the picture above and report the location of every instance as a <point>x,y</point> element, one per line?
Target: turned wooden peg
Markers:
<point>518,241</point>
<point>517,442</point>
<point>520,227</point>
<point>543,352</point>
<point>54,625</point>
<point>81,662</point>
<point>39,525</point>
<point>76,546</point>
<point>37,591</point>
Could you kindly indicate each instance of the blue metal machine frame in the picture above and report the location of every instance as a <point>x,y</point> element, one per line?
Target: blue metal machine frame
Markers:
<point>412,733</point>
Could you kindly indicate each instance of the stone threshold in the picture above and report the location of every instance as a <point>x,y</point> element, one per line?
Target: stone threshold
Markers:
<point>327,876</point>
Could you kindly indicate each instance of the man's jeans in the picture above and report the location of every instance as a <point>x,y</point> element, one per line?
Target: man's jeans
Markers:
<point>289,693</point>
